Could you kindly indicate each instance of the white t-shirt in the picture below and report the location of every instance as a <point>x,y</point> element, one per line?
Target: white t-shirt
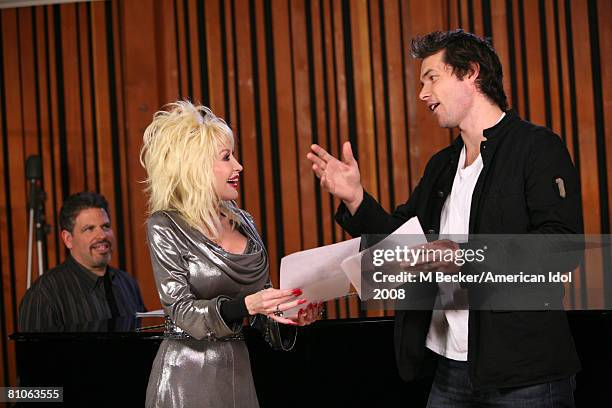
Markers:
<point>448,330</point>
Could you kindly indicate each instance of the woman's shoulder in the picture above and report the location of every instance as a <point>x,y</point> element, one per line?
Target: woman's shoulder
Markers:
<point>168,226</point>
<point>159,217</point>
<point>164,219</point>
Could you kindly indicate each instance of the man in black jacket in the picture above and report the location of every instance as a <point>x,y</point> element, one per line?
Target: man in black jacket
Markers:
<point>503,175</point>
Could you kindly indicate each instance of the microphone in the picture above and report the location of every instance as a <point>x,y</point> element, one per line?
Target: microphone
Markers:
<point>33,174</point>
<point>33,168</point>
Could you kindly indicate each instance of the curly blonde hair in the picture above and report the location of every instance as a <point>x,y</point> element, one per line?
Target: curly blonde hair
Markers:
<point>180,147</point>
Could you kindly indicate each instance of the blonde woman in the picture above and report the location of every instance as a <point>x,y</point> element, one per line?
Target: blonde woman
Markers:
<point>209,262</point>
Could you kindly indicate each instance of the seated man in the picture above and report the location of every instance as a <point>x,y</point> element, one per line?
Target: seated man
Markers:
<point>84,288</point>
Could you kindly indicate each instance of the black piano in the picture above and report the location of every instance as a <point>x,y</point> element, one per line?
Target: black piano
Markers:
<point>334,363</point>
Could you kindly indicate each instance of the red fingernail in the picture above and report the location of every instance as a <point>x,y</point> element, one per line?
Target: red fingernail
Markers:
<point>301,311</point>
<point>297,292</point>
<point>301,301</point>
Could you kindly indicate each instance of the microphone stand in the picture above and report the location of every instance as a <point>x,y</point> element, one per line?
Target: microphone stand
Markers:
<point>36,216</point>
<point>31,205</point>
<point>42,228</point>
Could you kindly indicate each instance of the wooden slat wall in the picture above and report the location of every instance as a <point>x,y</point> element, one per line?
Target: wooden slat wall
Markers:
<point>80,82</point>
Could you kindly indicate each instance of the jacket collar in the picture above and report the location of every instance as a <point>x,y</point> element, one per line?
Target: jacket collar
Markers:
<point>500,127</point>
<point>493,134</point>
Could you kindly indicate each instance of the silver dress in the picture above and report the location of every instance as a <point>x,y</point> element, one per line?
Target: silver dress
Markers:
<point>203,362</point>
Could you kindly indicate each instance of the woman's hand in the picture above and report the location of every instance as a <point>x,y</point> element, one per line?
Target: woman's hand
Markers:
<point>272,302</point>
<point>312,313</point>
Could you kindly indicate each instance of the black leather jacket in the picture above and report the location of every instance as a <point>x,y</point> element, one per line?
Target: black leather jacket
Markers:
<point>516,193</point>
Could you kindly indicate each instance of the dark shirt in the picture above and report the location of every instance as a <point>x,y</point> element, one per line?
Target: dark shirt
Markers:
<point>71,294</point>
<point>233,310</point>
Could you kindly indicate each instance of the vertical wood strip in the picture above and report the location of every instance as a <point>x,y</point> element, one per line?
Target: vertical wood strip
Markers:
<point>182,50</point>
<point>167,62</point>
<point>604,9</point>
<point>72,99</point>
<point>478,23</point>
<point>123,221</point>
<point>286,125</point>
<point>568,104</point>
<point>587,142</point>
<point>246,100</point>
<point>102,107</point>
<point>378,95</point>
<point>14,278</point>
<point>586,118</point>
<point>500,42</point>
<point>364,105</point>
<point>342,121</point>
<point>194,52</point>
<point>230,54</point>
<point>265,129</point>
<point>303,122</point>
<point>46,136</point>
<point>29,114</point>
<point>89,137</point>
<point>604,15</point>
<point>423,19</point>
<point>332,98</point>
<point>519,86</point>
<point>534,64</point>
<point>553,52</point>
<point>58,191</point>
<point>215,53</point>
<point>138,41</point>
<point>319,64</point>
<point>396,107</point>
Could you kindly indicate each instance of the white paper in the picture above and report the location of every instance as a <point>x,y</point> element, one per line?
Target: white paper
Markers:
<point>409,234</point>
<point>327,272</point>
<point>318,272</point>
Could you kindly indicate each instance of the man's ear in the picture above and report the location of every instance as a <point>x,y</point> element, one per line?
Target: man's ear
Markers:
<point>67,238</point>
<point>473,71</point>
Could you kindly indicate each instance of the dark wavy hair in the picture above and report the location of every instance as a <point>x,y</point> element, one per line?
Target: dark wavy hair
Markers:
<point>460,50</point>
<point>78,202</point>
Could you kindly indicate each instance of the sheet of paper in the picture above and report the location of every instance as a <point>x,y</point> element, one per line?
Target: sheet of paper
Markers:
<point>409,234</point>
<point>317,272</point>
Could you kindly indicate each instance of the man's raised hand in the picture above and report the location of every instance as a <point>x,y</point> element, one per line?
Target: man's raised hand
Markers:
<point>340,178</point>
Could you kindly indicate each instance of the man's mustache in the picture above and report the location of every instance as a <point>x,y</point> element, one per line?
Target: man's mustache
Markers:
<point>102,241</point>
